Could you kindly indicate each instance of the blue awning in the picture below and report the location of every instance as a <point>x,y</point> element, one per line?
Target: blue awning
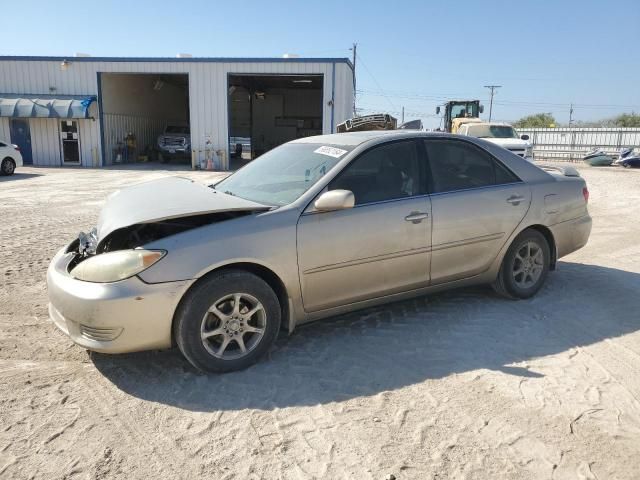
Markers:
<point>45,106</point>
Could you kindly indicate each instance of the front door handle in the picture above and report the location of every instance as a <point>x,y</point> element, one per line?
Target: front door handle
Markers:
<point>515,199</point>
<point>416,217</point>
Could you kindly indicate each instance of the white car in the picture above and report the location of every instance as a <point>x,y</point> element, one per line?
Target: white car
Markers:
<point>10,158</point>
<point>501,134</point>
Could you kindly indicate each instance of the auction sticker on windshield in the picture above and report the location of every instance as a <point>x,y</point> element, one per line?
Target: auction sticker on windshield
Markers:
<point>330,151</point>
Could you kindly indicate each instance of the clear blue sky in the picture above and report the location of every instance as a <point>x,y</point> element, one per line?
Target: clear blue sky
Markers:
<point>546,54</point>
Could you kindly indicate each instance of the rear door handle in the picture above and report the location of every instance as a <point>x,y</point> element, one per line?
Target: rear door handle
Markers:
<point>416,217</point>
<point>515,199</point>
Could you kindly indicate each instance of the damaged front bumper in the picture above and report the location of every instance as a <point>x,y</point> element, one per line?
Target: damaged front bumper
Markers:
<point>125,316</point>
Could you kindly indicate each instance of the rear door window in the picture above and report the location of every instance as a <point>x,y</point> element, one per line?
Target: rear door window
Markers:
<point>457,165</point>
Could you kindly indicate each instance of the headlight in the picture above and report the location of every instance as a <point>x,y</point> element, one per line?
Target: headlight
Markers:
<point>114,266</point>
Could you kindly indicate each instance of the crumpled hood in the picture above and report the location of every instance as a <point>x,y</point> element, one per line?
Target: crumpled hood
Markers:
<point>508,143</point>
<point>162,199</point>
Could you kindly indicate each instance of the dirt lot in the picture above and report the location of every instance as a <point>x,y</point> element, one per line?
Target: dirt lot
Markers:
<point>457,385</point>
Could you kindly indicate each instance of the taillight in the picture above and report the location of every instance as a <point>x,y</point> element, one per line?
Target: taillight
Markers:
<point>16,147</point>
<point>585,194</point>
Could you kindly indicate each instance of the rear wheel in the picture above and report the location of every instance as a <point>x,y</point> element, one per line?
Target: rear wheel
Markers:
<point>7,167</point>
<point>525,266</point>
<point>227,322</point>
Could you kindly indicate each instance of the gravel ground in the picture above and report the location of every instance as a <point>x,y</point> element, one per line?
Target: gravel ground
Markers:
<point>456,385</point>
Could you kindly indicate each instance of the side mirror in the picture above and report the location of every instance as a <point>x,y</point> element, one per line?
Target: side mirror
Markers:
<point>524,137</point>
<point>437,110</point>
<point>481,109</point>
<point>335,200</point>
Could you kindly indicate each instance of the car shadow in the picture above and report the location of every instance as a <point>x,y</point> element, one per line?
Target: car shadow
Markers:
<point>18,176</point>
<point>398,345</point>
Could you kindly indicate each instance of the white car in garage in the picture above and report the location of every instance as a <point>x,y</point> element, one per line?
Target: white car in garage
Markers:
<point>10,158</point>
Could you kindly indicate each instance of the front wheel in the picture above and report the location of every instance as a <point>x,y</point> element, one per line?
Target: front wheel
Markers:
<point>227,322</point>
<point>525,266</point>
<point>7,167</point>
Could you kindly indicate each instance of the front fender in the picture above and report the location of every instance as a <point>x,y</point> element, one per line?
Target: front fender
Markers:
<point>267,239</point>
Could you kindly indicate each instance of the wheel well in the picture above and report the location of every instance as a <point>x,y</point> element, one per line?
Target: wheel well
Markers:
<point>550,241</point>
<point>259,271</point>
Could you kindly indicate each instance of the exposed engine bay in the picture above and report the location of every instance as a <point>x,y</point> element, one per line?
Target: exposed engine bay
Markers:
<point>138,235</point>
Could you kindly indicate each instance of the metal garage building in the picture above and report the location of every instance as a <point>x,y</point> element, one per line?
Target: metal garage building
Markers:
<point>82,110</point>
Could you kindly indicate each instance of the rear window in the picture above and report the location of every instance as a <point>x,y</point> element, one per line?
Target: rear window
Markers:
<point>460,166</point>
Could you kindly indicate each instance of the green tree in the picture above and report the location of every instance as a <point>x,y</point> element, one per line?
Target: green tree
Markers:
<point>539,120</point>
<point>627,120</point>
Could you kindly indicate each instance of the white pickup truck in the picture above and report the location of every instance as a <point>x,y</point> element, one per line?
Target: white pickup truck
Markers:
<point>501,134</point>
<point>175,141</point>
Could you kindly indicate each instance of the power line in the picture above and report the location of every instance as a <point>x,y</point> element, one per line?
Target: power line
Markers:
<point>408,113</point>
<point>376,82</point>
<point>524,103</point>
<point>493,88</point>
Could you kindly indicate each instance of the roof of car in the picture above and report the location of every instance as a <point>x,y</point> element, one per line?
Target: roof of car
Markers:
<point>357,138</point>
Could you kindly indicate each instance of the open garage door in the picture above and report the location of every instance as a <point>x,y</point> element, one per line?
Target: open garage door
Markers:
<point>145,117</point>
<point>268,110</point>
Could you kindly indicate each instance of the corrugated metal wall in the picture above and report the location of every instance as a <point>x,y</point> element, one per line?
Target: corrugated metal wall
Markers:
<point>89,133</point>
<point>207,89</point>
<point>572,143</point>
<point>45,141</point>
<point>5,133</point>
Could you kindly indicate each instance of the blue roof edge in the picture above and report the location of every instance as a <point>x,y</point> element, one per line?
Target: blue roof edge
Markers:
<point>179,60</point>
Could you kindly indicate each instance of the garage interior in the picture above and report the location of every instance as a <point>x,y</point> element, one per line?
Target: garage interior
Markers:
<point>136,109</point>
<point>268,110</point>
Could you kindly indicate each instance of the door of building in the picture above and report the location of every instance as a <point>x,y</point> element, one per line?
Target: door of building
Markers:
<point>21,136</point>
<point>70,142</point>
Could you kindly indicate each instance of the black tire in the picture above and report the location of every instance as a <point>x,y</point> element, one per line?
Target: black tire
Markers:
<point>7,167</point>
<point>192,315</point>
<point>506,283</point>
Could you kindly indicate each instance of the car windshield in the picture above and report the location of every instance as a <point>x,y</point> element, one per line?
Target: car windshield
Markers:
<point>492,131</point>
<point>283,174</point>
<point>176,129</point>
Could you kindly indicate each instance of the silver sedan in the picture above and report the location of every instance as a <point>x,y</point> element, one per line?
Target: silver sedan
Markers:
<point>314,228</point>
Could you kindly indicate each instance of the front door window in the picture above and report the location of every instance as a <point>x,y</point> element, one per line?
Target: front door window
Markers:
<point>383,173</point>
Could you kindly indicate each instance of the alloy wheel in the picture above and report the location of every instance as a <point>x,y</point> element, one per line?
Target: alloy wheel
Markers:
<point>233,326</point>
<point>528,265</point>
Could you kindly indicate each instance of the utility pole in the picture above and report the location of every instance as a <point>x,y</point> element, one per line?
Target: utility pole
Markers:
<point>402,115</point>
<point>570,114</point>
<point>355,57</point>
<point>492,88</point>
